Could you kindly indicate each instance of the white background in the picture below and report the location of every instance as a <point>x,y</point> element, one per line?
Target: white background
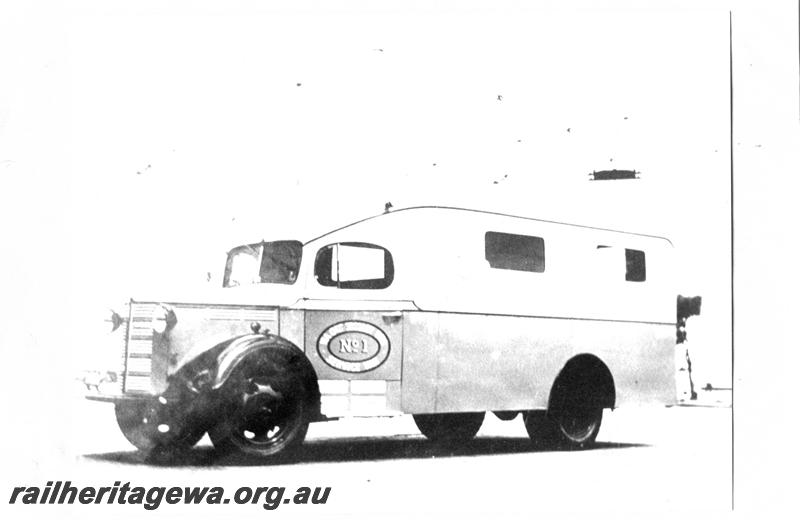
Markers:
<point>139,141</point>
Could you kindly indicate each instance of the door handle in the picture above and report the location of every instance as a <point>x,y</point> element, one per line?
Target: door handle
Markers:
<point>392,317</point>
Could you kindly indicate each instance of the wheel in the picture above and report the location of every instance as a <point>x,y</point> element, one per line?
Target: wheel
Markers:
<point>265,410</point>
<point>141,424</point>
<point>579,425</point>
<point>449,427</point>
<point>574,427</point>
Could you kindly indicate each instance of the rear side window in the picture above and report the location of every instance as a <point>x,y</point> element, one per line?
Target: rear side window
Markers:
<point>354,265</point>
<point>635,269</point>
<point>514,252</point>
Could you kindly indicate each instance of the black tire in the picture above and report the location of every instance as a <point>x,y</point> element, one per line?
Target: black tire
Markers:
<point>265,408</point>
<point>449,427</point>
<point>572,428</point>
<point>139,423</point>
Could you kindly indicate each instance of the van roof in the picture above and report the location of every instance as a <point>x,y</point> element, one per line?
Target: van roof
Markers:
<point>467,210</point>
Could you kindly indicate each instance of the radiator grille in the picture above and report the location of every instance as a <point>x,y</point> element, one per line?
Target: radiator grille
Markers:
<point>138,355</point>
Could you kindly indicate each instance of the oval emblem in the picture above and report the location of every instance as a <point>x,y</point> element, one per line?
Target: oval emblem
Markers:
<point>353,346</point>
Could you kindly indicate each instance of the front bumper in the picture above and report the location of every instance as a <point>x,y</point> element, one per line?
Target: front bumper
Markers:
<point>118,398</point>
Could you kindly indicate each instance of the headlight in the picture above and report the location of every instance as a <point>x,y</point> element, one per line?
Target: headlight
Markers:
<point>114,319</point>
<point>163,319</point>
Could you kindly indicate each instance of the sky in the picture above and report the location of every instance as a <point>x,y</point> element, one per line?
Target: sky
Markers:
<point>149,139</point>
<point>243,122</point>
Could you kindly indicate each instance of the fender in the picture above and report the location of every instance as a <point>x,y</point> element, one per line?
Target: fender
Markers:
<point>205,375</point>
<point>585,369</point>
<point>236,351</point>
<point>243,346</point>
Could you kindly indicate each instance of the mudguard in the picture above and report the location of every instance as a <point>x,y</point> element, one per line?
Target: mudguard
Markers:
<point>584,370</point>
<point>241,348</point>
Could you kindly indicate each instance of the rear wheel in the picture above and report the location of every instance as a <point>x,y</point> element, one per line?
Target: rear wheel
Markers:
<point>574,425</point>
<point>580,424</point>
<point>265,412</point>
<point>449,427</point>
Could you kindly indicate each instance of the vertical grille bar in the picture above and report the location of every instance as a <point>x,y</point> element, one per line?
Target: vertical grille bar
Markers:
<point>121,345</point>
<point>127,342</point>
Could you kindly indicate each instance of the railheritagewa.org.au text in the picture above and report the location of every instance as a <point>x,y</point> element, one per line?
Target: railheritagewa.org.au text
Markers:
<point>152,497</point>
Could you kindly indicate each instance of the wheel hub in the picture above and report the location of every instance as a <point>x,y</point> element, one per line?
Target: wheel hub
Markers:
<point>265,413</point>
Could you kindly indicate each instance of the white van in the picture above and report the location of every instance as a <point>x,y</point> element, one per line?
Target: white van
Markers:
<point>439,312</point>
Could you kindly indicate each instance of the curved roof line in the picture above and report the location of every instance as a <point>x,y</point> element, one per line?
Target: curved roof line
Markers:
<point>452,208</point>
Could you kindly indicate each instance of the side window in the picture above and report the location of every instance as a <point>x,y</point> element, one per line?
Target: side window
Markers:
<point>635,270</point>
<point>609,264</point>
<point>354,265</point>
<point>515,252</point>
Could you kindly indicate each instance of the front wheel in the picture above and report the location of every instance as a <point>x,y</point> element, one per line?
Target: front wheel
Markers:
<point>142,424</point>
<point>449,427</point>
<point>265,414</point>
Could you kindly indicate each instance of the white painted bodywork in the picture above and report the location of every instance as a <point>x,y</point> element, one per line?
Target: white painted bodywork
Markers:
<point>462,336</point>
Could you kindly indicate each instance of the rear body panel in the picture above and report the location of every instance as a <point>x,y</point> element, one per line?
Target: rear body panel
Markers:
<point>464,362</point>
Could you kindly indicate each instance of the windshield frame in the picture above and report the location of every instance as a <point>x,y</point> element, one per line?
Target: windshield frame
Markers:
<point>260,248</point>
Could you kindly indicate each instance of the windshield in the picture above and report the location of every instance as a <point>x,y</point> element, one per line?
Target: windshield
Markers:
<point>267,262</point>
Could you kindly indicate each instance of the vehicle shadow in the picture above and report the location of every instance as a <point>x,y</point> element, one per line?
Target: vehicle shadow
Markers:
<point>354,449</point>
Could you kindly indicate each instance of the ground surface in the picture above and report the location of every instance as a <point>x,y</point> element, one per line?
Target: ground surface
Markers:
<point>653,459</point>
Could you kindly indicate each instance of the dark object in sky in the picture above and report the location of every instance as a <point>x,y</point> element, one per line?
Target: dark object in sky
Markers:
<point>504,178</point>
<point>387,207</point>
<point>499,97</point>
<point>613,175</point>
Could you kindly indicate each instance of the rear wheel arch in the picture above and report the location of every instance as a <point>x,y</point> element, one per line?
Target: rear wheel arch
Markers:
<point>580,371</point>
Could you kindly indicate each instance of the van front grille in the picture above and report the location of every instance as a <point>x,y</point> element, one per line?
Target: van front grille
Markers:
<point>139,351</point>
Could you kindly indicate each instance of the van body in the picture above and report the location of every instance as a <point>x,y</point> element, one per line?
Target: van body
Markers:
<point>444,313</point>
